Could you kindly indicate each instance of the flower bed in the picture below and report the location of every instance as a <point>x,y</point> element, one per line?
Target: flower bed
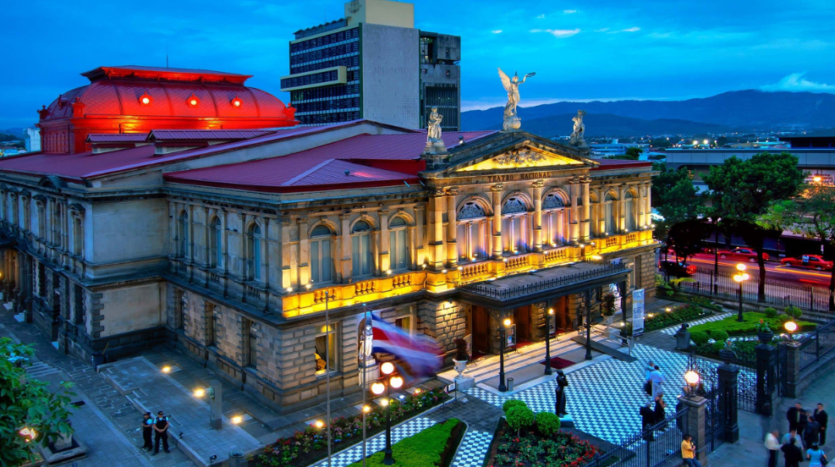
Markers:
<point>678,315</point>
<point>532,448</point>
<point>432,447</point>
<point>308,446</point>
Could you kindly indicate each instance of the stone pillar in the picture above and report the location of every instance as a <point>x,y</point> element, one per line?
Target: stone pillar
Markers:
<point>585,227</point>
<point>537,216</point>
<point>438,240</point>
<point>766,356</point>
<point>216,403</point>
<point>695,424</point>
<point>497,220</point>
<point>452,229</point>
<point>792,350</point>
<point>420,253</point>
<point>304,254</point>
<point>345,239</point>
<point>648,205</point>
<point>621,215</point>
<point>242,245</point>
<point>385,247</point>
<point>728,402</point>
<point>573,222</point>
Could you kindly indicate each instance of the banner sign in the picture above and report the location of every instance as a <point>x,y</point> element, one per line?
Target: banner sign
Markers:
<point>637,312</point>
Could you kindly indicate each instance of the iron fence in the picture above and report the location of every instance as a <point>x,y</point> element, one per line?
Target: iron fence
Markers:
<point>778,293</point>
<point>489,291</point>
<point>650,447</point>
<point>816,344</point>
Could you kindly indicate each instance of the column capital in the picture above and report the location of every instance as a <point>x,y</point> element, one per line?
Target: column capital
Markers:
<point>538,183</point>
<point>452,191</point>
<point>439,192</point>
<point>497,188</point>
<point>574,180</point>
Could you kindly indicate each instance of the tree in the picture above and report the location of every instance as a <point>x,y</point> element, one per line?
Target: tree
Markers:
<point>675,198</point>
<point>27,405</point>
<point>810,213</point>
<point>744,189</point>
<point>686,237</point>
<point>632,154</point>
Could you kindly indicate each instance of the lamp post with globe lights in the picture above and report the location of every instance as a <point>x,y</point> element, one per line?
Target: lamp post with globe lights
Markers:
<point>502,337</point>
<point>740,277</point>
<point>379,388</point>
<point>791,327</point>
<point>692,379</point>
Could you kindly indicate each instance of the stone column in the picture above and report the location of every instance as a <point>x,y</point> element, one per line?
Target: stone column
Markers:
<point>206,234</point>
<point>452,228</point>
<point>385,247</point>
<point>420,252</point>
<point>585,231</point>
<point>304,254</point>
<point>242,246</point>
<point>438,240</point>
<point>574,221</point>
<point>286,254</point>
<point>648,204</point>
<point>497,220</point>
<point>695,425</point>
<point>728,403</point>
<point>765,378</point>
<point>792,368</point>
<point>346,260</point>
<point>621,215</point>
<point>537,216</point>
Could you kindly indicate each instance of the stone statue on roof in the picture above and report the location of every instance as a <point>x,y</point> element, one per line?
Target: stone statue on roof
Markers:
<point>577,138</point>
<point>433,127</point>
<point>511,85</point>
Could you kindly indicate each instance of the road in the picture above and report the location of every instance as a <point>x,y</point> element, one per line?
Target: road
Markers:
<point>774,270</point>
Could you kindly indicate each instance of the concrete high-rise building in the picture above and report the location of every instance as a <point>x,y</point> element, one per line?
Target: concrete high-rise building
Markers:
<point>374,64</point>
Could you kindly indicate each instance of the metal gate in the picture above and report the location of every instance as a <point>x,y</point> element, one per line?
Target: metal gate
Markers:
<point>714,411</point>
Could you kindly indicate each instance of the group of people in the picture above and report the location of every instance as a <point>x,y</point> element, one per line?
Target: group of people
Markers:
<point>807,433</point>
<point>159,428</point>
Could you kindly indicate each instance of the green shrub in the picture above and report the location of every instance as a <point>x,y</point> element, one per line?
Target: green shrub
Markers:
<point>699,337</point>
<point>510,403</point>
<point>519,417</point>
<point>718,345</point>
<point>748,327</point>
<point>794,311</point>
<point>784,318</point>
<point>770,313</point>
<point>547,423</point>
<point>676,316</point>
<point>423,449</point>
<point>719,335</point>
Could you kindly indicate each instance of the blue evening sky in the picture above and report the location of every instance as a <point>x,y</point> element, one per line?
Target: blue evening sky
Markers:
<point>580,50</point>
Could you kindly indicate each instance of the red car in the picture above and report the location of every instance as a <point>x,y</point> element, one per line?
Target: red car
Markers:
<point>808,261</point>
<point>742,253</point>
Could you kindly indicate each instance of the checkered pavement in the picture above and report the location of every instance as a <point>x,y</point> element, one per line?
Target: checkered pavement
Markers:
<point>473,449</point>
<point>378,442</point>
<point>715,317</point>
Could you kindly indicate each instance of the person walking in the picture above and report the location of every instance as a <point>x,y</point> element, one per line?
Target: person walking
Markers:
<point>823,420</point>
<point>147,431</point>
<point>659,410</point>
<point>815,456</point>
<point>688,452</point>
<point>657,379</point>
<point>161,432</point>
<point>811,433</point>
<point>773,447</point>
<point>647,421</point>
<point>647,382</point>
<point>792,453</point>
<point>794,416</point>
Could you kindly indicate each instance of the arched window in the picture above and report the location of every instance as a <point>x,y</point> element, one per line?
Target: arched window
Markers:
<point>398,246</point>
<point>471,235</point>
<point>553,220</point>
<point>215,252</point>
<point>77,235</point>
<point>609,214</point>
<point>361,245</point>
<point>183,234</point>
<point>321,258</point>
<point>254,253</point>
<point>514,226</point>
<point>630,211</point>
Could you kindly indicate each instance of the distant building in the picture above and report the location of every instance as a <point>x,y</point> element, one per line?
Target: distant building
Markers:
<point>373,64</point>
<point>32,139</point>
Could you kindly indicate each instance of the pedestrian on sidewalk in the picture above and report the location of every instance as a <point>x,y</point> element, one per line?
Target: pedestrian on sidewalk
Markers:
<point>647,421</point>
<point>812,432</point>
<point>147,430</point>
<point>773,447</point>
<point>796,416</point>
<point>161,432</point>
<point>792,453</point>
<point>659,410</point>
<point>657,379</point>
<point>688,452</point>
<point>647,383</point>
<point>791,436</point>
<point>815,456</point>
<point>823,419</point>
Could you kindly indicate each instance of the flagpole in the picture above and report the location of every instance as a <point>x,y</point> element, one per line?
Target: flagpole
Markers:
<point>364,365</point>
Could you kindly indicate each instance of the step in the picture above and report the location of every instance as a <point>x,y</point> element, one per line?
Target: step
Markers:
<point>40,369</point>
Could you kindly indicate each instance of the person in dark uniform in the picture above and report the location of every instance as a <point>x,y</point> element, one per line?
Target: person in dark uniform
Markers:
<point>812,432</point>
<point>823,419</point>
<point>161,432</point>
<point>562,383</point>
<point>147,431</point>
<point>792,453</point>
<point>647,421</point>
<point>796,417</point>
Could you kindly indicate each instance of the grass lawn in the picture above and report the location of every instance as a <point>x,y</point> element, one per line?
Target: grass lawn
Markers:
<point>748,326</point>
<point>432,447</point>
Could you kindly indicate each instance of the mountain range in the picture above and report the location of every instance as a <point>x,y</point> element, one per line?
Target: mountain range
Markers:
<point>748,110</point>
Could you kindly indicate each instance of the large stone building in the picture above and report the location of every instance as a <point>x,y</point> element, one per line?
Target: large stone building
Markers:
<point>374,64</point>
<point>231,244</point>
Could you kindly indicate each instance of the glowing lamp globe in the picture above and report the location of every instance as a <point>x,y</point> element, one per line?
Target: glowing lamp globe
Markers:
<point>550,311</point>
<point>692,378</point>
<point>387,368</point>
<point>741,267</point>
<point>146,100</point>
<point>199,393</point>
<point>790,326</point>
<point>193,102</point>
<point>396,382</point>
<point>366,409</point>
<point>377,388</point>
<point>320,424</point>
<point>237,419</point>
<point>507,322</point>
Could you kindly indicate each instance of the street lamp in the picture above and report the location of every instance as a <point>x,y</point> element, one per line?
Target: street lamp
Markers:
<point>379,388</point>
<point>740,278</point>
<point>548,371</point>
<point>790,326</point>
<point>502,330</point>
<point>692,379</point>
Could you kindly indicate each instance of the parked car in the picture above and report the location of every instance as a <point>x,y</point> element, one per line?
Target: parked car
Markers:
<point>675,268</point>
<point>808,261</point>
<point>741,253</point>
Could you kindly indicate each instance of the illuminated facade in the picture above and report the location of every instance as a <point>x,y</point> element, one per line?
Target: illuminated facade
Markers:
<point>232,249</point>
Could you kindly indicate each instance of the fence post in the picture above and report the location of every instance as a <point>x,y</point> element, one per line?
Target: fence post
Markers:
<point>765,378</point>
<point>695,425</point>
<point>792,368</point>
<point>811,298</point>
<point>728,400</point>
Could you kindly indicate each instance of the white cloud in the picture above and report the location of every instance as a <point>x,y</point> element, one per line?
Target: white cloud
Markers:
<point>560,33</point>
<point>797,82</point>
<point>496,31</point>
<point>569,12</point>
<point>601,30</point>
<point>632,29</point>
<point>542,16</point>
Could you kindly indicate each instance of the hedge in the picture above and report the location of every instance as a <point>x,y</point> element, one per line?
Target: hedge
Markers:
<point>731,327</point>
<point>510,403</point>
<point>424,449</point>
<point>676,316</point>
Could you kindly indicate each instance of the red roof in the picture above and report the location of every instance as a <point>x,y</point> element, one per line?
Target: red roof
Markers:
<point>116,137</point>
<point>324,167</point>
<point>204,134</point>
<point>161,73</point>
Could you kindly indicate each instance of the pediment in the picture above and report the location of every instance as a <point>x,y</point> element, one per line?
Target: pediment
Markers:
<point>521,158</point>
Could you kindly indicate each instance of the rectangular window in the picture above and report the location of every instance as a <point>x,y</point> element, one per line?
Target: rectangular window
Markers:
<point>210,323</point>
<point>249,336</point>
<point>326,352</point>
<point>80,318</point>
<point>404,323</point>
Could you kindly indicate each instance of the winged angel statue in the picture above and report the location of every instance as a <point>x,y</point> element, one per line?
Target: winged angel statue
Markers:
<point>511,85</point>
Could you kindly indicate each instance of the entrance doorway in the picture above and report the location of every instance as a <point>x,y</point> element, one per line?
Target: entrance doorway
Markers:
<point>562,320</point>
<point>481,332</point>
<point>522,318</point>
